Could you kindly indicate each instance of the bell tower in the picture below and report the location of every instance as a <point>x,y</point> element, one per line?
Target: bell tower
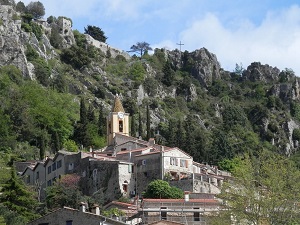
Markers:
<point>117,121</point>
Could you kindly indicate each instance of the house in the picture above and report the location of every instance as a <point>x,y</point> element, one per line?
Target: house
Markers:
<point>69,216</point>
<point>187,211</point>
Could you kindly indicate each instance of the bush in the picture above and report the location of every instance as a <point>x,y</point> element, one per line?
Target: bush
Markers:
<point>75,56</point>
<point>70,145</point>
<point>37,30</point>
<point>31,53</point>
<point>162,189</point>
<point>42,71</point>
<point>296,134</point>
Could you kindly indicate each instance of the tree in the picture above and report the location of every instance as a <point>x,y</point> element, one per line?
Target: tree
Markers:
<point>169,74</point>
<point>101,123</point>
<point>162,189</point>
<point>133,126</point>
<point>96,33</point>
<point>140,125</point>
<point>20,7</point>
<point>148,123</point>
<point>265,190</point>
<point>64,192</point>
<point>17,198</point>
<point>37,9</point>
<point>140,47</point>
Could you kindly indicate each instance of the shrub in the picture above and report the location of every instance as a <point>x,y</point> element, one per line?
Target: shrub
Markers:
<point>31,53</point>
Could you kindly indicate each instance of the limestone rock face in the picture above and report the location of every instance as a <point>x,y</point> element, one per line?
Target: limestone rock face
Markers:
<point>258,72</point>
<point>206,67</point>
<point>11,49</point>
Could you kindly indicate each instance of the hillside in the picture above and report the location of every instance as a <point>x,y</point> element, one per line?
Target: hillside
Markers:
<point>49,74</point>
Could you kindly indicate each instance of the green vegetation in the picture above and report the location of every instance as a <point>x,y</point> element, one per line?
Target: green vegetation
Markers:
<point>95,32</point>
<point>265,190</point>
<point>162,189</point>
<point>217,117</point>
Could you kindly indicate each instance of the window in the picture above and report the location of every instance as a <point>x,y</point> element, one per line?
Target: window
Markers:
<point>163,214</point>
<point>172,161</point>
<point>54,166</point>
<point>58,164</point>
<point>71,166</point>
<point>37,174</point>
<point>182,163</point>
<point>196,215</point>
<point>129,168</point>
<point>49,169</point>
<point>120,126</point>
<point>49,182</point>
<point>144,162</point>
<point>123,149</point>
<point>69,222</point>
<point>28,179</point>
<point>95,173</point>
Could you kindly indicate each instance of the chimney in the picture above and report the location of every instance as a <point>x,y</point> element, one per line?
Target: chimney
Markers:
<point>96,210</point>
<point>83,207</point>
<point>151,141</point>
<point>186,196</point>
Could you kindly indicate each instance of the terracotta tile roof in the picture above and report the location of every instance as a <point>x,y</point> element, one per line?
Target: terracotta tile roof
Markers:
<point>152,200</point>
<point>117,106</point>
<point>134,150</point>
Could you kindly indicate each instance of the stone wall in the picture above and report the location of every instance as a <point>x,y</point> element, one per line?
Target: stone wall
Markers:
<point>101,176</point>
<point>105,48</point>
<point>61,216</point>
<point>148,168</point>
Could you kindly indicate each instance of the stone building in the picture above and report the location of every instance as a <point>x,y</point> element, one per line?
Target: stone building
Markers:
<point>69,216</point>
<point>127,165</point>
<point>191,211</point>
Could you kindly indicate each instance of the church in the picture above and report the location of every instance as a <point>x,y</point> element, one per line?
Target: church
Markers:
<point>126,165</point>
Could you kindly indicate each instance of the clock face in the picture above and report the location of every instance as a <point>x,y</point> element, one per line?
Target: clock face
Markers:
<point>120,115</point>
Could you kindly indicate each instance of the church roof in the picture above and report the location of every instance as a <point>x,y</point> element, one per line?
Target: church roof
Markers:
<point>117,107</point>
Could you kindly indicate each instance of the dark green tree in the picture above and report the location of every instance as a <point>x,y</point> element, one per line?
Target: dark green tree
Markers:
<point>37,9</point>
<point>17,198</point>
<point>83,112</point>
<point>20,7</point>
<point>101,123</point>
<point>56,142</point>
<point>169,74</point>
<point>140,126</point>
<point>140,47</point>
<point>148,123</point>
<point>91,115</point>
<point>42,144</point>
<point>133,126</point>
<point>95,32</point>
<point>162,189</point>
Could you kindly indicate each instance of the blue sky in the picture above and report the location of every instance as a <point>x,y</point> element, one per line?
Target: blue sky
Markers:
<point>237,31</point>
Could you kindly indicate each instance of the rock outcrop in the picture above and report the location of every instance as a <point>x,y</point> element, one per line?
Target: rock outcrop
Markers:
<point>12,51</point>
<point>258,72</point>
<point>206,67</point>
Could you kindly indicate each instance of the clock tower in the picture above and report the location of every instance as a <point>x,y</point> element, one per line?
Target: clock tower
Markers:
<point>117,121</point>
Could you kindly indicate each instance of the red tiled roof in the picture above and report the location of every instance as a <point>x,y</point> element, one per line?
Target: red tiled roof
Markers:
<point>180,200</point>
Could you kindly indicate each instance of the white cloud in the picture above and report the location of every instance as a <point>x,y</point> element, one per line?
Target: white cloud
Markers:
<point>275,41</point>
